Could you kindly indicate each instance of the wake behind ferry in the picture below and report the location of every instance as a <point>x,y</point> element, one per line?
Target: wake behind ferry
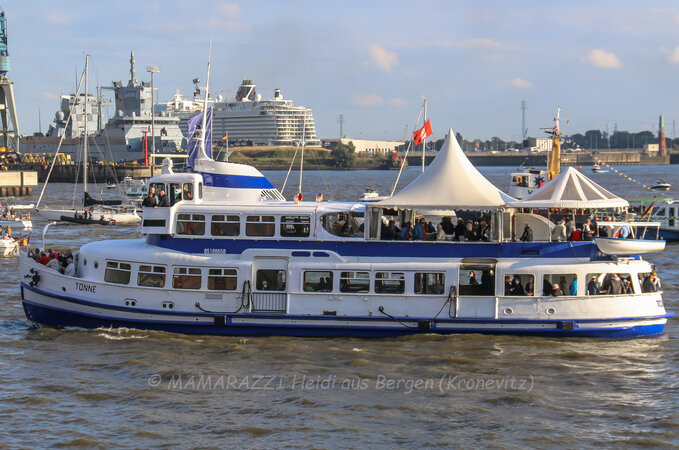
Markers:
<point>230,256</point>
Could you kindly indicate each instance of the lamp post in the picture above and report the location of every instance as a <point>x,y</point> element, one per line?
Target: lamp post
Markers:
<point>152,70</point>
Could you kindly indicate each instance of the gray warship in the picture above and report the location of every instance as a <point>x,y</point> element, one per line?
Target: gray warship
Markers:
<point>125,137</point>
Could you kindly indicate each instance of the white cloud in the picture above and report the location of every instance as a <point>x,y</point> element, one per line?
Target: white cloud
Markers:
<point>398,102</point>
<point>383,58</point>
<point>230,10</point>
<point>366,100</point>
<point>520,83</point>
<point>49,96</point>
<point>674,56</point>
<point>603,59</point>
<point>58,18</point>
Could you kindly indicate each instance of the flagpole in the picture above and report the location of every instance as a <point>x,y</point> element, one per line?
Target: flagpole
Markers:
<point>425,134</point>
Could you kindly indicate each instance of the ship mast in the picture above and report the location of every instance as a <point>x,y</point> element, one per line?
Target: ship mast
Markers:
<point>201,149</point>
<point>301,160</point>
<point>85,128</point>
<point>554,162</point>
<point>424,122</point>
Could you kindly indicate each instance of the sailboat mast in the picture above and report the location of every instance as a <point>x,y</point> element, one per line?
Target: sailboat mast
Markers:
<point>85,127</point>
<point>301,161</point>
<point>425,135</point>
<point>202,154</point>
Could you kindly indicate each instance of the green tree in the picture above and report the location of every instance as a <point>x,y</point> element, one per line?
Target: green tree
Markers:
<point>344,155</point>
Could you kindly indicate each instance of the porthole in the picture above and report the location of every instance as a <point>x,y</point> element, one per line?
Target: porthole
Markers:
<point>508,311</point>
<point>96,265</point>
<point>550,311</point>
<point>63,288</point>
<point>85,262</point>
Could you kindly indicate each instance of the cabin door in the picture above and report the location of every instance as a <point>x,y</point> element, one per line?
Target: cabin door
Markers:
<point>270,284</point>
<point>476,289</point>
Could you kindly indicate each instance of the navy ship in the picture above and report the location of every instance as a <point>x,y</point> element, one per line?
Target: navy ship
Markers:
<point>125,137</point>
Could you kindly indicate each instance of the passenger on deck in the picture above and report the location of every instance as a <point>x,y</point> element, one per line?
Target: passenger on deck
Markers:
<point>615,285</point>
<point>459,230</point>
<point>529,289</point>
<point>570,226</point>
<point>418,232</point>
<point>546,287</point>
<point>391,232</point>
<point>163,200</point>
<point>469,234</point>
<point>151,200</point>
<point>556,290</point>
<point>482,232</point>
<point>508,285</point>
<point>440,234</point>
<point>587,231</point>
<point>559,232</point>
<point>69,270</point>
<point>649,284</point>
<point>44,259</point>
<point>625,232</point>
<point>527,235</point>
<point>593,286</point>
<point>53,263</point>
<point>406,232</point>
<point>447,225</point>
<point>628,286</point>
<point>517,288</point>
<point>472,278</point>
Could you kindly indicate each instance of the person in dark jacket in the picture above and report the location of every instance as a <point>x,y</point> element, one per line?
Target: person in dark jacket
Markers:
<point>593,287</point>
<point>527,235</point>
<point>163,200</point>
<point>151,200</point>
<point>459,230</point>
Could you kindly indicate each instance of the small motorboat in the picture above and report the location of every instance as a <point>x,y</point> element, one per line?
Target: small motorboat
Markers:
<point>661,185</point>
<point>83,221</point>
<point>617,246</point>
<point>596,168</point>
<point>371,195</point>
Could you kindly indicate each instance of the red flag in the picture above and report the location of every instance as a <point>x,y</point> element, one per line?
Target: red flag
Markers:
<point>423,133</point>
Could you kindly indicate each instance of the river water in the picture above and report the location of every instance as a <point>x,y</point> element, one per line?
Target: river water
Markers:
<point>131,388</point>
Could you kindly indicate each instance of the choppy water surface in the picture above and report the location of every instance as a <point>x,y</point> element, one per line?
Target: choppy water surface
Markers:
<point>131,388</point>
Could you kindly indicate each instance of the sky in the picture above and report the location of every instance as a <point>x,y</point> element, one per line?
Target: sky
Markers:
<point>605,63</point>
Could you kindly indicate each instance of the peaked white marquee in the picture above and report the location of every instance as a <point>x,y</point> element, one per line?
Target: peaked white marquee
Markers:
<point>450,181</point>
<point>571,189</point>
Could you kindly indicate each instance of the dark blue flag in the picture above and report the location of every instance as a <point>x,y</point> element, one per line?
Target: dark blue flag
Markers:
<point>195,123</point>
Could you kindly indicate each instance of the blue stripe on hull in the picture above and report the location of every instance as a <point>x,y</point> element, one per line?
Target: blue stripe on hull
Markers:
<point>403,249</point>
<point>363,328</point>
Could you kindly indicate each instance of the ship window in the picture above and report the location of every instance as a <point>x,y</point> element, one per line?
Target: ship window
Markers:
<point>158,187</point>
<point>343,223</point>
<point>519,285</point>
<point>270,280</point>
<point>318,281</point>
<point>295,226</point>
<point>260,226</point>
<point>222,279</point>
<point>151,276</point>
<point>477,279</point>
<point>225,225</point>
<point>191,224</point>
<point>389,282</point>
<point>117,272</point>
<point>659,212</point>
<point>354,282</point>
<point>430,283</point>
<point>187,192</point>
<point>200,191</point>
<point>186,278</point>
<point>567,284</point>
<point>609,283</point>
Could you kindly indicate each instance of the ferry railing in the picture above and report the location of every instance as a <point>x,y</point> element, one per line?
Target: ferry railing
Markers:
<point>269,301</point>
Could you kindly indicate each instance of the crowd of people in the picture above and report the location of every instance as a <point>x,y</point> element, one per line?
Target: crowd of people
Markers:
<point>61,262</point>
<point>422,230</point>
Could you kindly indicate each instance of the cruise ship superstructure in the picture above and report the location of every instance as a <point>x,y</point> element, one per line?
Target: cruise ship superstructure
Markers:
<point>247,118</point>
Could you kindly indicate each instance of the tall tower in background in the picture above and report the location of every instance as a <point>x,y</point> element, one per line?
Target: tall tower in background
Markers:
<point>662,149</point>
<point>8,114</point>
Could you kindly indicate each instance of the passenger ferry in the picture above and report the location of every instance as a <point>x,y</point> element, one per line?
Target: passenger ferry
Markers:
<point>231,257</point>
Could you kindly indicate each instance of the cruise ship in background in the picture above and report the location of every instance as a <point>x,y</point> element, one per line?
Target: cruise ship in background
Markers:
<point>246,119</point>
<point>122,138</point>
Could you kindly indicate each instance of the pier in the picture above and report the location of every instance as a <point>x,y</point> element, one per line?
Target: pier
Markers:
<point>17,183</point>
<point>68,173</point>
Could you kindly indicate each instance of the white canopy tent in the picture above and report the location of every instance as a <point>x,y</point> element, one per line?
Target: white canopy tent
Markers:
<point>572,190</point>
<point>450,182</point>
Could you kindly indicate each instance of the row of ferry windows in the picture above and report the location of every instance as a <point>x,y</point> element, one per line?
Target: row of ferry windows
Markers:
<point>359,282</point>
<point>230,225</point>
<point>218,279</point>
